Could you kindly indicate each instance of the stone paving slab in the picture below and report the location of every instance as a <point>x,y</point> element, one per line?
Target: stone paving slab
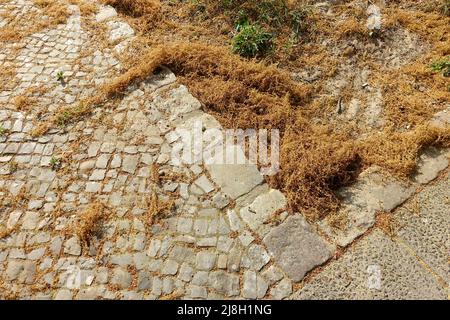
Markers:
<point>296,247</point>
<point>442,118</point>
<point>355,275</point>
<point>372,193</point>
<point>235,180</point>
<point>431,162</point>
<point>424,226</point>
<point>261,210</point>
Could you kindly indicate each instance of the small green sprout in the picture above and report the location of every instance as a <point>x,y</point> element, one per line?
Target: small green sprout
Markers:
<point>55,163</point>
<point>60,76</point>
<point>442,66</point>
<point>13,166</point>
<point>3,131</point>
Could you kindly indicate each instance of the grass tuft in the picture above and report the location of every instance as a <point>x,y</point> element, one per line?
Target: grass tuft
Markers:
<point>442,66</point>
<point>157,208</point>
<point>252,41</point>
<point>90,223</point>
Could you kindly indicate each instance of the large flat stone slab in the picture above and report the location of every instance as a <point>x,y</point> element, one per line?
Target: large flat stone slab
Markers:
<point>119,30</point>
<point>236,177</point>
<point>373,192</point>
<point>442,118</point>
<point>175,102</point>
<point>431,163</point>
<point>105,13</point>
<point>296,248</point>
<point>424,226</point>
<point>194,117</point>
<point>261,209</point>
<point>235,180</point>
<point>375,268</point>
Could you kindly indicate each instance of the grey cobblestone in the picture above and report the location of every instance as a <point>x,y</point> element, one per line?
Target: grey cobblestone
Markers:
<point>121,278</point>
<point>205,260</point>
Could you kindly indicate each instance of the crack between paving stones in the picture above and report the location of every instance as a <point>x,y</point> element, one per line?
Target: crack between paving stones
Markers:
<point>424,264</point>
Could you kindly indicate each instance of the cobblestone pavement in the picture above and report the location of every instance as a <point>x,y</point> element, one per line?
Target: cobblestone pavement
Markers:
<point>220,240</point>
